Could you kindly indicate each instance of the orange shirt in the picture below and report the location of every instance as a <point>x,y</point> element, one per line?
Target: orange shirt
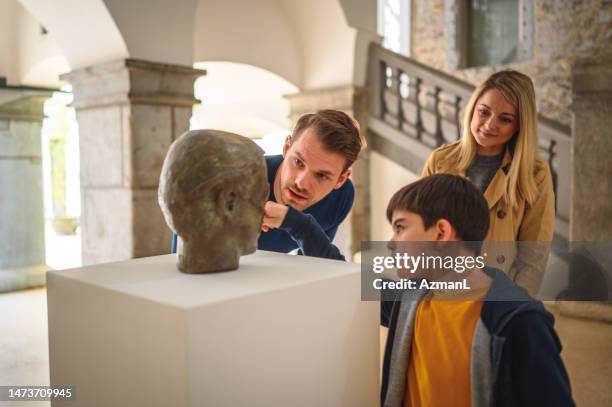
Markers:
<point>440,356</point>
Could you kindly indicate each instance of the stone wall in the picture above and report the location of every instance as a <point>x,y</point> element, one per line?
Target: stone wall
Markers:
<point>564,31</point>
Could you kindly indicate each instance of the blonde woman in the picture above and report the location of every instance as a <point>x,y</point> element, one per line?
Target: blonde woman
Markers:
<point>498,152</point>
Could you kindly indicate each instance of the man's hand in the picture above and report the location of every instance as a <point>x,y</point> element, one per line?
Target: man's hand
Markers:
<point>274,215</point>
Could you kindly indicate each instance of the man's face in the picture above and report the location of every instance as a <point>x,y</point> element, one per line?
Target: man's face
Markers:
<point>309,171</point>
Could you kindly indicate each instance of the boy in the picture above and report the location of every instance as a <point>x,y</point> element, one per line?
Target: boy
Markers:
<point>494,346</point>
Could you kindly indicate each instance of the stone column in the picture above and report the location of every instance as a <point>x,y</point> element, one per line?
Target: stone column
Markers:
<point>591,207</point>
<point>591,173</point>
<point>353,101</point>
<point>129,112</point>
<point>22,230</point>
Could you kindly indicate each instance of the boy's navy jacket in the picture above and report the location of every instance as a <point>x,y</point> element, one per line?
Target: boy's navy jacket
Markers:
<point>515,357</point>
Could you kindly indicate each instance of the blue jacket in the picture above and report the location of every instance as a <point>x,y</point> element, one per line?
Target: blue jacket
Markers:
<point>515,357</point>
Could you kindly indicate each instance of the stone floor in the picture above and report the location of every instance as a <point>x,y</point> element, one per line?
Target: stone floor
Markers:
<point>24,348</point>
<point>587,353</point>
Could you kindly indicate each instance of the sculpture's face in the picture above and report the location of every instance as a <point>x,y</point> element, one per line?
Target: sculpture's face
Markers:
<point>212,192</point>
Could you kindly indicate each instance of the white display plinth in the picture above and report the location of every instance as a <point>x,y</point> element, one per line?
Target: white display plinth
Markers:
<point>280,331</point>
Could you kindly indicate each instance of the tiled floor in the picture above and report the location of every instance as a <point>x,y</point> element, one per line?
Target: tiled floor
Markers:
<point>587,353</point>
<point>24,348</point>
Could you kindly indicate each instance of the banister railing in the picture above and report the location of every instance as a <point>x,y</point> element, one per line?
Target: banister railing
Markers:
<point>410,99</point>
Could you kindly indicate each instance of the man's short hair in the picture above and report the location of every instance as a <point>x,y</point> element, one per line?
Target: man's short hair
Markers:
<point>450,197</point>
<point>338,132</point>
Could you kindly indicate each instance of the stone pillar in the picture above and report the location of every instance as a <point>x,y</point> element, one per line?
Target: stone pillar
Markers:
<point>591,207</point>
<point>353,101</point>
<point>129,112</point>
<point>591,173</point>
<point>590,221</point>
<point>22,230</point>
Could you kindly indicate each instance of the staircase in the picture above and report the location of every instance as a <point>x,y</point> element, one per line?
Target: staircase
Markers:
<point>414,108</point>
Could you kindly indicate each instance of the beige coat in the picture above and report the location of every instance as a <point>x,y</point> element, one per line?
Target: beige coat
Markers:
<point>523,262</point>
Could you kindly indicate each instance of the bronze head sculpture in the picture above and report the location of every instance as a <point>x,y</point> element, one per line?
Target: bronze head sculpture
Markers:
<point>212,191</point>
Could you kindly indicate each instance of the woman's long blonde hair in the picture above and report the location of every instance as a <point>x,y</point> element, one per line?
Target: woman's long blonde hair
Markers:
<point>518,90</point>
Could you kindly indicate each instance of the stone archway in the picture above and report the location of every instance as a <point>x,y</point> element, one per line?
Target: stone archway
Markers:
<point>129,111</point>
<point>99,38</point>
<point>252,94</point>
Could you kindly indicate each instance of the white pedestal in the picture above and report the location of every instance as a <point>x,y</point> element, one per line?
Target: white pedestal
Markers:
<point>280,331</point>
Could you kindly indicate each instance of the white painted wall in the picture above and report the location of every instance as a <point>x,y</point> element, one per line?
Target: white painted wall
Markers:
<point>156,30</point>
<point>27,57</point>
<point>257,33</point>
<point>8,37</point>
<point>327,42</point>
<point>361,15</point>
<point>387,177</point>
<point>40,60</point>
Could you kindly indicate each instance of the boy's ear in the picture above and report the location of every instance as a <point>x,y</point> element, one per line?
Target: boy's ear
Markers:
<point>445,231</point>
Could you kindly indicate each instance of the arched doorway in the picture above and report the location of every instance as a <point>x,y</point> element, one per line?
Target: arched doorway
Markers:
<point>243,99</point>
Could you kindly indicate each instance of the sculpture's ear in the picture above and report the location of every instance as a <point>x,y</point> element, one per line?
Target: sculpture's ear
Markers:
<point>227,200</point>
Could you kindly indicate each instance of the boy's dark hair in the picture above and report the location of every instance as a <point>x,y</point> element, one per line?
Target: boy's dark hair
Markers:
<point>450,197</point>
<point>338,132</point>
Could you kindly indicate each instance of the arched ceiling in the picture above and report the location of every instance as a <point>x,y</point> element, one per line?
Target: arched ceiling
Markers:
<point>156,30</point>
<point>326,41</point>
<point>90,32</point>
<point>83,29</point>
<point>250,32</point>
<point>309,43</point>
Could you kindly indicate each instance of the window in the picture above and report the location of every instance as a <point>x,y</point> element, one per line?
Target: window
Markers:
<point>394,25</point>
<point>493,32</point>
<point>488,32</point>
